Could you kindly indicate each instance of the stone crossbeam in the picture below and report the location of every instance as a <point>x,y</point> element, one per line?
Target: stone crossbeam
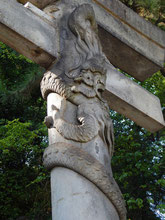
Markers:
<point>31,32</point>
<point>38,3</point>
<point>131,100</point>
<point>27,33</point>
<point>131,43</point>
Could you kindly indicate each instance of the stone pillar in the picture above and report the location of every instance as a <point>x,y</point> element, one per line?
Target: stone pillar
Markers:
<point>76,198</point>
<point>80,131</point>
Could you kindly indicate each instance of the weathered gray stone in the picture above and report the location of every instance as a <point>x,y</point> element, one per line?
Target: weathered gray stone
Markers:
<point>93,147</point>
<point>90,159</point>
<point>128,59</point>
<point>78,117</point>
<point>39,3</point>
<point>130,43</point>
<point>131,100</point>
<point>44,16</point>
<point>78,199</point>
<point>28,33</point>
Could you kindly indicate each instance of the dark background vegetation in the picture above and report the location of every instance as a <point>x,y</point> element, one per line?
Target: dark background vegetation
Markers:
<point>138,162</point>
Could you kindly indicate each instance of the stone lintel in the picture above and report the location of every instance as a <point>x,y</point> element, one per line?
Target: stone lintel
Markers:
<point>28,33</point>
<point>133,101</point>
<point>38,3</point>
<point>130,42</point>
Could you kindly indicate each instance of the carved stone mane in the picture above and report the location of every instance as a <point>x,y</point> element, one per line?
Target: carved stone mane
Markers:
<point>81,81</point>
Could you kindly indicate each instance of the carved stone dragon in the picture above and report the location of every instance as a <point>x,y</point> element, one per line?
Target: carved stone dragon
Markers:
<point>81,81</point>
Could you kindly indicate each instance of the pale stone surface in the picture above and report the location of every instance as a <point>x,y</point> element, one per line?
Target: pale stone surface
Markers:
<point>80,127</point>
<point>94,147</point>
<point>28,33</point>
<point>39,3</point>
<point>128,98</point>
<point>97,149</point>
<point>128,16</point>
<point>49,19</point>
<point>76,198</point>
<point>130,43</point>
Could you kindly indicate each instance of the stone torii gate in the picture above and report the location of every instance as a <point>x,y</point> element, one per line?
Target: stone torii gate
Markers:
<point>63,37</point>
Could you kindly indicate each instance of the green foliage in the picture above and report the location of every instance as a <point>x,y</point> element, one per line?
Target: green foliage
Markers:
<point>25,187</point>
<point>19,81</point>
<point>23,179</point>
<point>150,5</point>
<point>138,168</point>
<point>14,67</point>
<point>139,161</point>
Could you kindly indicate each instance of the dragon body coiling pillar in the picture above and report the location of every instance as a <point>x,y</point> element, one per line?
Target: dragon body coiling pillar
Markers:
<point>81,137</point>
